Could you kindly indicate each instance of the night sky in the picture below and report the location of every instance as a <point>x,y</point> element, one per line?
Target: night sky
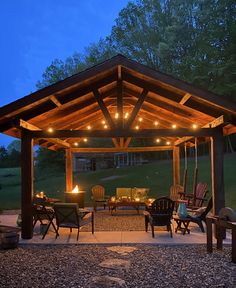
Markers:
<point>34,33</point>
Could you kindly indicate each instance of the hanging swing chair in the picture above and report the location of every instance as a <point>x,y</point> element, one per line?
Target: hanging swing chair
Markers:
<point>197,197</point>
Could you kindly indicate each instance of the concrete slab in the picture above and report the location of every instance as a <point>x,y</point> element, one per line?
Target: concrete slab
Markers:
<point>112,237</point>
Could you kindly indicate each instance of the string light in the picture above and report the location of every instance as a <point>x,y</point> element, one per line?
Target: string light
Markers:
<point>105,126</point>
<point>194,126</point>
<point>158,140</point>
<point>155,123</point>
<point>126,115</point>
<point>117,115</point>
<point>76,143</point>
<point>50,130</point>
<point>89,127</point>
<point>168,143</point>
<point>85,140</point>
<point>103,122</point>
<point>137,127</point>
<point>140,119</point>
<point>174,126</point>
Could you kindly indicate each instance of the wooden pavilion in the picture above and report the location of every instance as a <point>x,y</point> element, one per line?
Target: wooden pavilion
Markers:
<point>118,99</point>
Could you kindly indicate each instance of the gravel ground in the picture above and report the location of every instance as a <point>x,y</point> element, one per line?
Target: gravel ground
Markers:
<point>147,266</point>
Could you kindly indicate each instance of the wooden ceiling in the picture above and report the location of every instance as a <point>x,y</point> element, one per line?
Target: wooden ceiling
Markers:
<point>131,99</point>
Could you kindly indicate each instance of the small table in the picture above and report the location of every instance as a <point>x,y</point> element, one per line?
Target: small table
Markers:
<point>135,204</point>
<point>182,224</point>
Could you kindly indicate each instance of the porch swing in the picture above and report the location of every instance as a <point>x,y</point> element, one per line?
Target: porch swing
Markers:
<point>197,197</point>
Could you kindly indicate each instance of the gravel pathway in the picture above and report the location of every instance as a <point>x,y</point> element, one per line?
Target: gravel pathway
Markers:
<point>140,266</point>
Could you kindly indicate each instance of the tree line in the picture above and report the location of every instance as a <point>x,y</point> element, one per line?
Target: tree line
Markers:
<point>193,40</point>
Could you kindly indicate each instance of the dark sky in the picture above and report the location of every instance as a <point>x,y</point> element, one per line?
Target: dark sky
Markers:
<point>34,33</point>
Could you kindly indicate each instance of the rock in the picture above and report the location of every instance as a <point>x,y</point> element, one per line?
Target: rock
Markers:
<point>106,281</point>
<point>119,264</point>
<point>123,250</point>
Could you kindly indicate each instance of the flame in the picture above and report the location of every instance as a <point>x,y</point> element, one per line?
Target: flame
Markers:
<point>75,190</point>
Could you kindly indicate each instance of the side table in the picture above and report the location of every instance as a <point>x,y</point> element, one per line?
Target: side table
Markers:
<point>182,224</point>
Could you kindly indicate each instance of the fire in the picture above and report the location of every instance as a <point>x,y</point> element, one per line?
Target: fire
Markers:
<point>76,189</point>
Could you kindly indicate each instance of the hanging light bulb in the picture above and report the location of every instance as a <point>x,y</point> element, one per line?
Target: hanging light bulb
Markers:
<point>105,126</point>
<point>137,127</point>
<point>194,126</point>
<point>50,130</point>
<point>85,140</point>
<point>117,115</point>
<point>155,123</point>
<point>168,143</point>
<point>89,127</point>
<point>174,126</point>
<point>140,119</point>
<point>76,143</point>
<point>158,140</point>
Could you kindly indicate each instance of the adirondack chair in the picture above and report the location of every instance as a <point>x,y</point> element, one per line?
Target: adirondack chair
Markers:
<point>160,214</point>
<point>195,200</point>
<point>98,196</point>
<point>200,216</point>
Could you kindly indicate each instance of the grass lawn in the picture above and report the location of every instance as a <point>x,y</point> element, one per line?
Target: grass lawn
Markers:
<point>156,176</point>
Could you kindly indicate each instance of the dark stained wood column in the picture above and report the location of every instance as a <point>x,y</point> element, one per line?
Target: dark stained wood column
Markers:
<point>27,184</point>
<point>69,172</point>
<point>217,171</point>
<point>176,165</point>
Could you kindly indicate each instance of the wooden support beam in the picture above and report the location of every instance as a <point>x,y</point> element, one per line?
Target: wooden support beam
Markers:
<point>185,99</point>
<point>136,108</point>
<point>55,101</point>
<point>122,142</point>
<point>122,149</point>
<point>217,171</point>
<point>115,142</point>
<point>213,124</point>
<point>69,171</point>
<point>27,184</point>
<point>31,127</point>
<point>120,104</point>
<point>103,107</point>
<point>176,165</point>
<point>116,133</point>
<point>127,141</point>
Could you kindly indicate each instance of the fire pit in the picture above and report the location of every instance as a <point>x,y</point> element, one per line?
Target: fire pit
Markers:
<point>75,196</point>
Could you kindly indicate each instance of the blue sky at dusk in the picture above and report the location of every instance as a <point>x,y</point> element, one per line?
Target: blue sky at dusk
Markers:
<point>34,33</point>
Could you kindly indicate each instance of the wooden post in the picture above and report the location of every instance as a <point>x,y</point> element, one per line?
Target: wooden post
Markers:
<point>27,184</point>
<point>69,172</point>
<point>217,171</point>
<point>176,165</point>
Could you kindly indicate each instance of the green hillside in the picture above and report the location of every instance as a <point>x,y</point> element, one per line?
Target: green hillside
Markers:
<point>157,176</point>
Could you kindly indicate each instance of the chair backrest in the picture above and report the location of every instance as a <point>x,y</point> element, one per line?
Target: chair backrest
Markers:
<point>174,192</point>
<point>141,193</point>
<point>124,193</point>
<point>67,214</point>
<point>161,211</point>
<point>98,192</point>
<point>201,191</point>
<point>207,210</point>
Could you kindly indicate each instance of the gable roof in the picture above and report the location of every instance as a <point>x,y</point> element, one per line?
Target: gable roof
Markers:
<point>122,86</point>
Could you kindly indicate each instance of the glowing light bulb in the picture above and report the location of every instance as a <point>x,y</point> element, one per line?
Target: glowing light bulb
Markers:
<point>174,126</point>
<point>155,123</point>
<point>89,127</point>
<point>76,143</point>
<point>158,140</point>
<point>137,127</point>
<point>140,119</point>
<point>117,115</point>
<point>105,126</point>
<point>168,143</point>
<point>85,140</point>
<point>50,130</point>
<point>194,126</point>
<point>103,122</point>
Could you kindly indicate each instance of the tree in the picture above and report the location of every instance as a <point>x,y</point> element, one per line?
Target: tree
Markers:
<point>45,159</point>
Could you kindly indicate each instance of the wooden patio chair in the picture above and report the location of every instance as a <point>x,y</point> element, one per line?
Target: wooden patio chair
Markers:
<point>160,214</point>
<point>98,196</point>
<point>199,216</point>
<point>195,200</point>
<point>69,215</point>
